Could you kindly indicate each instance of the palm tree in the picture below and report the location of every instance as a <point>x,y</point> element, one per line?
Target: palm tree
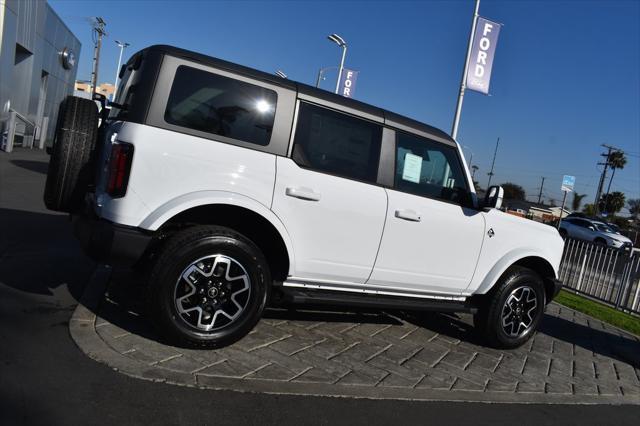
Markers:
<point>577,200</point>
<point>634,207</point>
<point>612,203</point>
<point>589,210</point>
<point>617,160</point>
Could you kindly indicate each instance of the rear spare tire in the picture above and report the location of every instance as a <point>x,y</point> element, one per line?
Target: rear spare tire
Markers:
<point>71,167</point>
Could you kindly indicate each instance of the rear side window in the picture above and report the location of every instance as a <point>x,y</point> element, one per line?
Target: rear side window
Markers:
<point>220,105</point>
<point>430,169</point>
<point>336,143</point>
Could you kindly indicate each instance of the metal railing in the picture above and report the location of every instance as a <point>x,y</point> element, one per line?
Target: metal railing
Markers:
<point>606,274</point>
<point>17,131</point>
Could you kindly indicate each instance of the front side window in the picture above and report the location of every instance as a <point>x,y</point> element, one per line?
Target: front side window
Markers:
<point>336,143</point>
<point>603,228</point>
<point>429,169</point>
<point>220,105</point>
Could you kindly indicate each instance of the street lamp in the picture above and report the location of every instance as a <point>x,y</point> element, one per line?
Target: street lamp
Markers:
<point>321,73</point>
<point>340,42</point>
<point>281,74</point>
<point>123,46</point>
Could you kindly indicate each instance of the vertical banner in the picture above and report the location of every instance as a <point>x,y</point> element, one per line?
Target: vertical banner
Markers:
<point>348,82</point>
<point>482,53</point>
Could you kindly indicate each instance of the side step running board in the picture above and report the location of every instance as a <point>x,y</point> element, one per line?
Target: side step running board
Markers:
<point>364,300</point>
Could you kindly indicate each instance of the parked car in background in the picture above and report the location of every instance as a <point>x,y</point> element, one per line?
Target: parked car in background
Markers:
<point>595,231</point>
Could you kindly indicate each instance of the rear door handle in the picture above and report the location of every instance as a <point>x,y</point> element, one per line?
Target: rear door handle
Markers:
<point>303,193</point>
<point>409,215</point>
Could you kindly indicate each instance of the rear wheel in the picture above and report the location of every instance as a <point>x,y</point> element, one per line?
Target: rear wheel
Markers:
<point>71,166</point>
<point>208,287</point>
<point>512,314</point>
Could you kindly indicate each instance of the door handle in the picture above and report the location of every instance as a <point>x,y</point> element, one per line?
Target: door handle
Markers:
<point>303,193</point>
<point>409,215</point>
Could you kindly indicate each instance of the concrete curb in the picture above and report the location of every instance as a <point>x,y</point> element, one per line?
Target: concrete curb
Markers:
<point>83,332</point>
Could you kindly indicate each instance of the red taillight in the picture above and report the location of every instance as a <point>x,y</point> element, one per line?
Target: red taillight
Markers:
<point>119,168</point>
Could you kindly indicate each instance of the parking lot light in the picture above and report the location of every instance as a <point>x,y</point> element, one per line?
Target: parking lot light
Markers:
<point>122,45</point>
<point>343,44</point>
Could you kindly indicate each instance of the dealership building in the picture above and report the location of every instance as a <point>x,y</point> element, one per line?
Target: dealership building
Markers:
<point>38,65</point>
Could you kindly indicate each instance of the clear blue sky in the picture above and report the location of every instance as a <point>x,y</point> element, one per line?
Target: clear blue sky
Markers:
<point>566,76</point>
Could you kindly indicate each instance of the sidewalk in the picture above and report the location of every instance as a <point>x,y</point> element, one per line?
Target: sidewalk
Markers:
<point>372,354</point>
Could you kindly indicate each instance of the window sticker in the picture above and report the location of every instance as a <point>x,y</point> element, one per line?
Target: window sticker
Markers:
<point>412,168</point>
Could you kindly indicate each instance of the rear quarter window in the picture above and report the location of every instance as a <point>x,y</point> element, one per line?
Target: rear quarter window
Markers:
<point>220,105</point>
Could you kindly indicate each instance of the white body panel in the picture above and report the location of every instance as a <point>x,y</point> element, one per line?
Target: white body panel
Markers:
<point>332,227</point>
<point>514,238</point>
<point>335,237</point>
<point>169,166</point>
<point>436,251</point>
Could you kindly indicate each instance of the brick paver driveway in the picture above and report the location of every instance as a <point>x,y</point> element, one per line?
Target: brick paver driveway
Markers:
<point>574,358</point>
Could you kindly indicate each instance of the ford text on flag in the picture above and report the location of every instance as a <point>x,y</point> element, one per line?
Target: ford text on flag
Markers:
<point>348,82</point>
<point>482,53</point>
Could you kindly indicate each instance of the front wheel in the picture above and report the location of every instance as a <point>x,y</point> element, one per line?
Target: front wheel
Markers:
<point>515,309</point>
<point>208,287</point>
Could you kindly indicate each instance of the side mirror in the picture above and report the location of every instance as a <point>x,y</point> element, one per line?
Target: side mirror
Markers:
<point>493,197</point>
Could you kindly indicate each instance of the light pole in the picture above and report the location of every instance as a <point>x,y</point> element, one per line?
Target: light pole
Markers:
<point>281,74</point>
<point>340,42</point>
<point>123,46</point>
<point>320,73</point>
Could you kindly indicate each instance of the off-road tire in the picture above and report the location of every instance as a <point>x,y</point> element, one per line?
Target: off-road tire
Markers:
<point>71,166</point>
<point>177,254</point>
<point>488,319</point>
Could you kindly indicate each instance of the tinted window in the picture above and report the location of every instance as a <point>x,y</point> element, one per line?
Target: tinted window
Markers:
<point>430,169</point>
<point>336,143</point>
<point>220,105</point>
<point>602,227</point>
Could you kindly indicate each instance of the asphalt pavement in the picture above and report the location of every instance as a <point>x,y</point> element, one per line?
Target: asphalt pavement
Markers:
<point>46,379</point>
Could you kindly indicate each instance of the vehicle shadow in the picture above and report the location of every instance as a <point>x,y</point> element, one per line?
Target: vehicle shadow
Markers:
<point>125,307</point>
<point>38,253</point>
<point>34,166</point>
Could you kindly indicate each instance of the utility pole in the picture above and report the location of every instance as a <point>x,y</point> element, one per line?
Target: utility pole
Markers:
<point>603,176</point>
<point>495,153</point>
<point>463,82</point>
<point>97,33</point>
<point>540,194</point>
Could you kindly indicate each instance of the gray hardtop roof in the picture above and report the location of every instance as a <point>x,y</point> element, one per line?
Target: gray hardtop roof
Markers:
<point>390,118</point>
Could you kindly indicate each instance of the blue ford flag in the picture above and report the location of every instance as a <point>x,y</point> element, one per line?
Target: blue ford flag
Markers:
<point>348,82</point>
<point>482,52</point>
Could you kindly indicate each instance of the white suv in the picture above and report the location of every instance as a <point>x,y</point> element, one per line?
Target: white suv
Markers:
<point>240,188</point>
